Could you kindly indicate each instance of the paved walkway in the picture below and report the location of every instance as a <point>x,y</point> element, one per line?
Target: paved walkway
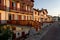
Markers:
<point>53,33</point>
<point>39,35</point>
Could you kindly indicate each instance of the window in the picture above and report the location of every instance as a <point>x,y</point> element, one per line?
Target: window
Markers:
<point>30,18</point>
<point>9,16</point>
<point>22,7</point>
<point>13,5</point>
<point>0,1</point>
<point>38,13</point>
<point>43,12</point>
<point>35,13</point>
<point>38,19</point>
<point>19,17</point>
<point>26,7</point>
<point>24,17</point>
<point>46,19</point>
<point>12,16</point>
<point>18,5</point>
<point>18,33</point>
<point>35,19</point>
<point>41,19</point>
<point>27,17</point>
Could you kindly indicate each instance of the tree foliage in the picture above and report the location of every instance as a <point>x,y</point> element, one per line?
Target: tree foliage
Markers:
<point>58,18</point>
<point>5,34</point>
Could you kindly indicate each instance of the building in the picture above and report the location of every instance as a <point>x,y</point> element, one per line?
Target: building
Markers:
<point>18,12</point>
<point>50,19</point>
<point>43,15</point>
<point>55,18</point>
<point>36,16</point>
<point>45,19</point>
<point>21,13</point>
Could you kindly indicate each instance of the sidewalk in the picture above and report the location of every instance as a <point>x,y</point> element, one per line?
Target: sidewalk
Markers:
<point>39,35</point>
<point>47,29</point>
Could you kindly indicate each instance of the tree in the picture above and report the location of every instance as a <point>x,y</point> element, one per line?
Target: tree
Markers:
<point>5,34</point>
<point>58,18</point>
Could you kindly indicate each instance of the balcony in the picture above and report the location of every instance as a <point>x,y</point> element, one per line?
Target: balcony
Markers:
<point>2,7</point>
<point>14,9</point>
<point>26,11</point>
<point>17,10</point>
<point>25,23</point>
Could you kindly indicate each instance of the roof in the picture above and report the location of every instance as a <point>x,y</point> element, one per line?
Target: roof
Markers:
<point>32,0</point>
<point>43,10</point>
<point>35,9</point>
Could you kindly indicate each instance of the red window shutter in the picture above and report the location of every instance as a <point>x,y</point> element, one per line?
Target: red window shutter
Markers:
<point>13,16</point>
<point>11,4</point>
<point>19,17</point>
<point>2,2</point>
<point>30,18</point>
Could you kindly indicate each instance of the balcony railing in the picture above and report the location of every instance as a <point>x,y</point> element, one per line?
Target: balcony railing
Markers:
<point>2,7</point>
<point>25,23</point>
<point>20,10</point>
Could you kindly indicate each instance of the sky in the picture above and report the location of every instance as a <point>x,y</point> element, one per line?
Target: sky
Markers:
<point>53,6</point>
